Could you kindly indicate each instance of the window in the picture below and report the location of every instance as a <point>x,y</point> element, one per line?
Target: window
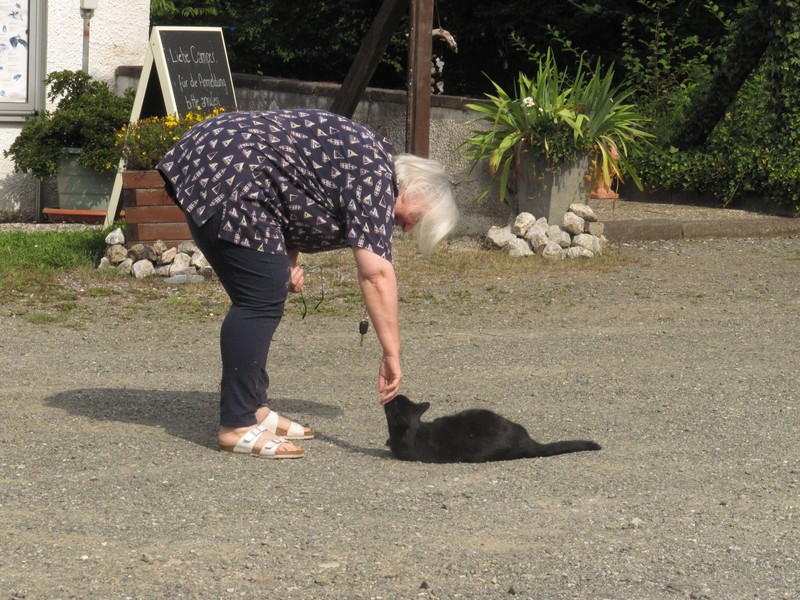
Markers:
<point>22,60</point>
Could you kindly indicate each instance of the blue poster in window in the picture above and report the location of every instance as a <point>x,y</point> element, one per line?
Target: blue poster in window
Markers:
<point>14,23</point>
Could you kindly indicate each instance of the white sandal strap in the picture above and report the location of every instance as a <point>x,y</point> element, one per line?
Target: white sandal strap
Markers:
<point>248,441</point>
<point>270,423</point>
<point>271,447</point>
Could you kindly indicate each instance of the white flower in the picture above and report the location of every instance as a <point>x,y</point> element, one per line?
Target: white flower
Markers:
<point>528,102</point>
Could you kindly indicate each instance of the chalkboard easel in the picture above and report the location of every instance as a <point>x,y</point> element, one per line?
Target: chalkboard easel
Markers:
<point>185,69</point>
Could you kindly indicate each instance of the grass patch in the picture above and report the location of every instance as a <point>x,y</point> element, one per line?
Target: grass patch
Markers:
<point>51,250</point>
<point>32,262</point>
<point>51,277</point>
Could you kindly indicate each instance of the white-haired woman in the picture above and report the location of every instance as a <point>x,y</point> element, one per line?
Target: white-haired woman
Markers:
<point>258,188</point>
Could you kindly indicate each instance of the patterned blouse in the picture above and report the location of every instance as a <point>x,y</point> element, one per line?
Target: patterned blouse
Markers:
<point>304,180</point>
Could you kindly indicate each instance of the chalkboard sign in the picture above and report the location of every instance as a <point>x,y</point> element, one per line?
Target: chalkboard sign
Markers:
<point>197,68</point>
<point>191,72</point>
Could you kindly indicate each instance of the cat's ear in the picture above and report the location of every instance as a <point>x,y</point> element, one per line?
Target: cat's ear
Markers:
<point>422,407</point>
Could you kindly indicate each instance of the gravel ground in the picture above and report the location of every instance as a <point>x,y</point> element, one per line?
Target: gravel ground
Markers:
<point>681,361</point>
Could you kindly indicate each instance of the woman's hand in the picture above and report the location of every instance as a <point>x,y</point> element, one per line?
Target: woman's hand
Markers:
<point>389,378</point>
<point>296,276</point>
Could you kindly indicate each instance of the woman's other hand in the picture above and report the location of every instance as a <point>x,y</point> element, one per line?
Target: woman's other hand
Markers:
<point>296,276</point>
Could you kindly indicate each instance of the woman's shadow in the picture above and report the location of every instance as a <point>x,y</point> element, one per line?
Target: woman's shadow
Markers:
<point>191,416</point>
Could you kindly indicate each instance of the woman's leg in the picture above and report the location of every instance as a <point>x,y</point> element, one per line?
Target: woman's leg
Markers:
<point>257,284</point>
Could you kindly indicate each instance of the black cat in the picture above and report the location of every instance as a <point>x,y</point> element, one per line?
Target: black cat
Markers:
<point>469,436</point>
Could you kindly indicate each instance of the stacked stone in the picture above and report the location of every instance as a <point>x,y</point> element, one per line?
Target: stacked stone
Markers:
<point>580,235</point>
<point>182,264</point>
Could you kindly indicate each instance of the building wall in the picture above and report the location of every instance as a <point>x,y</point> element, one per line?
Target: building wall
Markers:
<point>119,33</point>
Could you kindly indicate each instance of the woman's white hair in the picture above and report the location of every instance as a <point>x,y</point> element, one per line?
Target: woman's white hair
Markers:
<point>426,181</point>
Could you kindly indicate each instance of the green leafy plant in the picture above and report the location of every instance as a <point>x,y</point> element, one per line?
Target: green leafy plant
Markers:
<point>86,114</point>
<point>144,143</point>
<point>556,117</point>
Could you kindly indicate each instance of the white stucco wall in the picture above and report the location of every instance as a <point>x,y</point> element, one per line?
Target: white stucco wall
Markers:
<point>119,31</point>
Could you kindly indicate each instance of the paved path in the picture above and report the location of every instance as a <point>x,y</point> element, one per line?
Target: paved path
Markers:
<point>627,221</point>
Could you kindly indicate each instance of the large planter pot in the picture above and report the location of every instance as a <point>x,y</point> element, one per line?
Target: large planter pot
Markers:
<point>80,188</point>
<point>546,191</point>
<point>150,214</point>
<point>83,194</point>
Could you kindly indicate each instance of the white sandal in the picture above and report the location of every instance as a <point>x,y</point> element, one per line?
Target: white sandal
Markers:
<point>247,443</point>
<point>295,431</point>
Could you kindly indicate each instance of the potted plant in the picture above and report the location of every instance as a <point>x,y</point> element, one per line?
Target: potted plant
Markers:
<point>538,143</point>
<point>144,143</point>
<point>150,213</point>
<point>74,140</point>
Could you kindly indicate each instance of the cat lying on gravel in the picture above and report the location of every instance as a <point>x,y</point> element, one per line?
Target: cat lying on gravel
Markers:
<point>469,436</point>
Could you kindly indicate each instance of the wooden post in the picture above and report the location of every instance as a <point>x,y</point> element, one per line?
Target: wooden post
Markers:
<point>419,78</point>
<point>369,56</point>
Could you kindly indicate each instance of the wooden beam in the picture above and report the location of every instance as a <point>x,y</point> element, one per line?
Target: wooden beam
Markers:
<point>419,78</point>
<point>369,56</point>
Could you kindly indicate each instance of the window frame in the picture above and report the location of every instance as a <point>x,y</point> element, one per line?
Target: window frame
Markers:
<point>36,65</point>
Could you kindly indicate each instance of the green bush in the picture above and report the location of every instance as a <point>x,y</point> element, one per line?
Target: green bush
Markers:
<point>86,115</point>
<point>743,157</point>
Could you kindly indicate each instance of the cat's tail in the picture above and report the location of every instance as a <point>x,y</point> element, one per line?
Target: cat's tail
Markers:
<point>564,447</point>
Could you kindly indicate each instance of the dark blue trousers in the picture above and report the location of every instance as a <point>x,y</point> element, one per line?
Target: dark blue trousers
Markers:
<point>257,284</point>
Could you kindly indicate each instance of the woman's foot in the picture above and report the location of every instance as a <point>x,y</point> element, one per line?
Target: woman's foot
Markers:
<point>271,421</point>
<point>257,442</point>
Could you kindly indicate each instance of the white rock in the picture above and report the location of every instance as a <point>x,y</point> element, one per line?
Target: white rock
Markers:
<point>163,270</point>
<point>584,211</point>
<point>116,254</point>
<point>589,242</point>
<point>167,256</point>
<point>142,268</point>
<point>180,264</point>
<point>537,240</point>
<point>115,238</point>
<point>556,234</point>
<point>159,247</point>
<point>140,251</point>
<point>573,224</point>
<point>519,247</point>
<point>187,247</point>
<point>579,252</point>
<point>500,236</point>
<point>523,223</point>
<point>553,250</point>
<point>125,266</point>
<point>539,227</point>
<point>104,265</point>
<point>199,261</point>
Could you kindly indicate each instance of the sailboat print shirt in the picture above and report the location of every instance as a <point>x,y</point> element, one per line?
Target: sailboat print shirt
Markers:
<point>304,180</point>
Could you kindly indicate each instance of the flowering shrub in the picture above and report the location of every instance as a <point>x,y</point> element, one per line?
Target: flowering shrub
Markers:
<point>144,143</point>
